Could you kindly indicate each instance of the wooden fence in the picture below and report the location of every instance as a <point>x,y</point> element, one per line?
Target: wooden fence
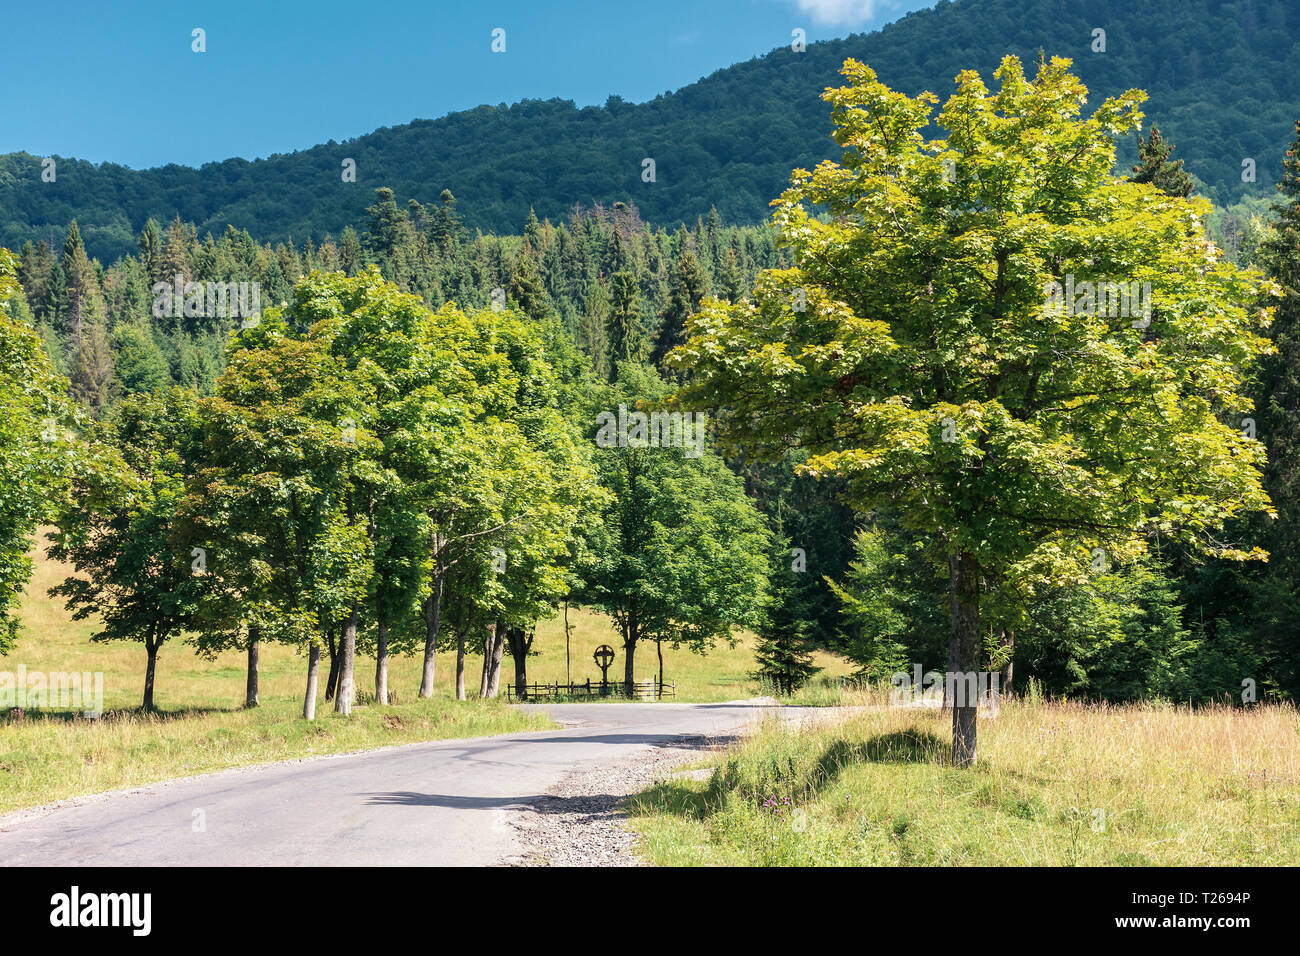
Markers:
<point>641,690</point>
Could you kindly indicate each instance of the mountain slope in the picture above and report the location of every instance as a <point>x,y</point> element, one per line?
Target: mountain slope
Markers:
<point>1224,79</point>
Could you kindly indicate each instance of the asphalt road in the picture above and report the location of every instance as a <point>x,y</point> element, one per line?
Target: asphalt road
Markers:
<point>432,804</point>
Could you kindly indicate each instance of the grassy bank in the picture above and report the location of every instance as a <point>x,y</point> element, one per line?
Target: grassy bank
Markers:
<point>1057,784</point>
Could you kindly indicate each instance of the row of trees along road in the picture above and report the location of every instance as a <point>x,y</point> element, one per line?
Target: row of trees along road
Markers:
<point>372,475</point>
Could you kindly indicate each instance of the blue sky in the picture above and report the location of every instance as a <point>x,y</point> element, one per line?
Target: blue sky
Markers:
<point>118,81</point>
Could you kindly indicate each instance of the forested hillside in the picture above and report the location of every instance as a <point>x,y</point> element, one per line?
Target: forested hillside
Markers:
<point>1223,78</point>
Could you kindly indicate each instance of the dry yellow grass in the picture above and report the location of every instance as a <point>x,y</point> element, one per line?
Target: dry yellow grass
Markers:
<point>1058,783</point>
<point>50,641</point>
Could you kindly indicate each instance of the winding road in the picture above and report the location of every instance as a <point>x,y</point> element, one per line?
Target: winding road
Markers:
<point>445,803</point>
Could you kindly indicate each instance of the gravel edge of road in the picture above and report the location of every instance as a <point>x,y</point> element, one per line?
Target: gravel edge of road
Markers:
<point>581,822</point>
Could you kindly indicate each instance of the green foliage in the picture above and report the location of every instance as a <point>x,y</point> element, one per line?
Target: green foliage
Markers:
<point>926,369</point>
<point>783,650</point>
<point>679,552</point>
<point>894,605</point>
<point>1118,636</point>
<point>139,363</point>
<point>929,347</point>
<point>37,445</point>
<point>1157,169</point>
<point>119,533</point>
<point>388,442</point>
<point>603,278</point>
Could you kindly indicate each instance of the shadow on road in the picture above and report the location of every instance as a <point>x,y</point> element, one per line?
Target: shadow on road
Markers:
<point>409,798</point>
<point>591,803</point>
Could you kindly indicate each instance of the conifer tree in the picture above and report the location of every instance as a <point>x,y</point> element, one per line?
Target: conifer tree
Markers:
<point>689,287</point>
<point>1278,413</point>
<point>782,651</point>
<point>1155,167</point>
<point>626,331</point>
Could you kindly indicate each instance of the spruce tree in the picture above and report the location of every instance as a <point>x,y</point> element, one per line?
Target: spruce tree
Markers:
<point>1277,411</point>
<point>690,285</point>
<point>445,230</point>
<point>1155,167</point>
<point>782,651</point>
<point>350,254</point>
<point>625,332</point>
<point>526,288</point>
<point>150,245</point>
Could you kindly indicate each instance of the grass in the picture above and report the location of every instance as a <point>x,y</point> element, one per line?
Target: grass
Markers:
<point>830,689</point>
<point>1058,784</point>
<point>201,726</point>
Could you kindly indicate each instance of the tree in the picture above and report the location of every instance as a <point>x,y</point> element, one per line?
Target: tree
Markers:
<point>626,331</point>
<point>893,603</point>
<point>690,286</point>
<point>782,651</point>
<point>679,552</point>
<point>90,365</point>
<point>37,446</point>
<point>445,229</point>
<point>274,497</point>
<point>120,534</point>
<point>1277,600</point>
<point>388,236</point>
<point>139,364</point>
<point>921,347</point>
<point>1118,636</point>
<point>1157,169</point>
<point>526,288</point>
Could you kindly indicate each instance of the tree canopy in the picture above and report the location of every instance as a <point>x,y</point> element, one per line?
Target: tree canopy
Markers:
<point>952,340</point>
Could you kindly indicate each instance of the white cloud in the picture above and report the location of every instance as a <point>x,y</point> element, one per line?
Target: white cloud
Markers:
<point>843,13</point>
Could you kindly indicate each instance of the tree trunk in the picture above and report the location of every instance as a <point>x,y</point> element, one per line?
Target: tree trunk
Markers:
<point>629,658</point>
<point>520,645</point>
<point>659,646</point>
<point>963,654</point>
<point>498,651</point>
<point>347,659</point>
<point>487,662</point>
<point>381,665</point>
<point>313,675</point>
<point>250,690</point>
<point>432,625</point>
<point>151,648</point>
<point>461,634</point>
<point>332,684</point>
